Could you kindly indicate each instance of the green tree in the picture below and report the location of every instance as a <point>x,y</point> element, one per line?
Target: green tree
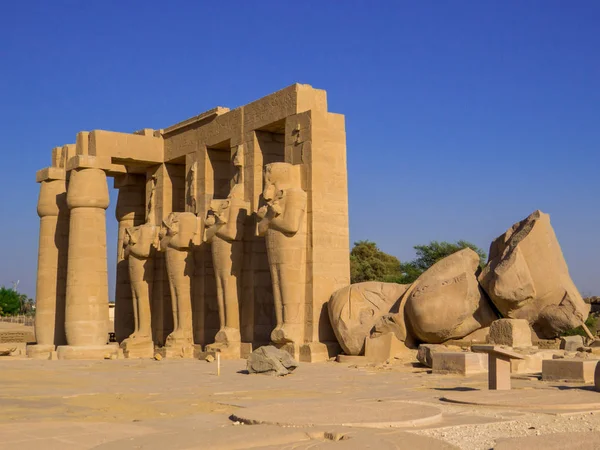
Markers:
<point>368,263</point>
<point>428,255</point>
<point>10,301</point>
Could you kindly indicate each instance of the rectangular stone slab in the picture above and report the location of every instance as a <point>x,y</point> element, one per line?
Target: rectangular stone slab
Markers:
<point>497,351</point>
<point>462,363</point>
<point>573,370</point>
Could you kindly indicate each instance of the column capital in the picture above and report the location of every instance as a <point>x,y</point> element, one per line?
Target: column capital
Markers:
<point>87,188</point>
<point>53,198</point>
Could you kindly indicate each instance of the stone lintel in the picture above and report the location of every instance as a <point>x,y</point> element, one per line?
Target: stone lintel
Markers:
<point>122,147</point>
<point>497,351</point>
<point>95,162</point>
<point>128,179</point>
<point>210,114</point>
<point>50,173</point>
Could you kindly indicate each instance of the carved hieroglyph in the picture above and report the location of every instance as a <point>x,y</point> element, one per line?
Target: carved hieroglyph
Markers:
<point>527,278</point>
<point>140,243</point>
<point>224,231</point>
<point>283,223</point>
<point>179,233</point>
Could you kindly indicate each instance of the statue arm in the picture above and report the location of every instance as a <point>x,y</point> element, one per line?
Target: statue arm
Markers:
<point>291,218</point>
<point>233,230</point>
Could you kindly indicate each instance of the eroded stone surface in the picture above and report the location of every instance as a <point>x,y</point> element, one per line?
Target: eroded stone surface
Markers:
<point>446,302</point>
<point>571,343</point>
<point>355,309</point>
<point>426,351</point>
<point>367,414</point>
<point>270,360</point>
<point>511,332</point>
<point>527,278</point>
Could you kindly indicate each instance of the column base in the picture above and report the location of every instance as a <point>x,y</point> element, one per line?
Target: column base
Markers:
<point>41,351</point>
<point>88,352</point>
<point>231,350</point>
<point>177,351</point>
<point>319,351</point>
<point>136,350</point>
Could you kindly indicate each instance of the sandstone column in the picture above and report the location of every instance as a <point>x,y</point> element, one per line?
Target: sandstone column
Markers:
<point>86,318</point>
<point>130,212</point>
<point>52,268</point>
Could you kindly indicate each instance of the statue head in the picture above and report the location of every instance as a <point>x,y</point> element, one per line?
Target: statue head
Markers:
<point>238,156</point>
<point>278,177</point>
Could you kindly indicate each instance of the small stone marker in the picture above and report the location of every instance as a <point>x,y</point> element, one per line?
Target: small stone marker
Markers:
<point>511,332</point>
<point>498,365</point>
<point>571,343</point>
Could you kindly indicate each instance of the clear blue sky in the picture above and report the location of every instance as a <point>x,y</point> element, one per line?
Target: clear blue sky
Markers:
<point>462,117</point>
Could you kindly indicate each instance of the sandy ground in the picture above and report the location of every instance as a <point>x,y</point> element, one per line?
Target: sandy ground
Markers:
<point>183,404</point>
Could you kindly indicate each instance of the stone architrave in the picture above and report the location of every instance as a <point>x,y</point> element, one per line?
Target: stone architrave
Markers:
<point>140,244</point>
<point>283,222</point>
<point>527,278</point>
<point>52,268</point>
<point>86,315</point>
<point>179,234</point>
<point>355,309</point>
<point>224,231</point>
<point>446,301</point>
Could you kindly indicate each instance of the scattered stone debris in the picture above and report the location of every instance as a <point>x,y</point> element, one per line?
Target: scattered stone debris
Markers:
<point>157,356</point>
<point>571,343</point>
<point>269,360</point>
<point>209,358</point>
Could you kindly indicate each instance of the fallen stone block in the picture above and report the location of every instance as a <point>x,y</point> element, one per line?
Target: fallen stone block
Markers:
<point>269,360</point>
<point>446,301</point>
<point>571,343</point>
<point>527,278</point>
<point>425,352</point>
<point>354,310</point>
<point>511,332</point>
<point>571,370</point>
<point>532,363</point>
<point>463,363</point>
<point>381,348</point>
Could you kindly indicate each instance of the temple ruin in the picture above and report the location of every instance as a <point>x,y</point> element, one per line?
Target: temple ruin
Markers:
<point>232,233</point>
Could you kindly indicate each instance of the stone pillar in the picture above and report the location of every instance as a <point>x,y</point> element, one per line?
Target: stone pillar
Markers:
<point>130,212</point>
<point>52,268</point>
<point>86,317</point>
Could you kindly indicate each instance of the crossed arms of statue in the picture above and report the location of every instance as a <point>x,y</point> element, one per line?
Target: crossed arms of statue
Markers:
<point>285,213</point>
